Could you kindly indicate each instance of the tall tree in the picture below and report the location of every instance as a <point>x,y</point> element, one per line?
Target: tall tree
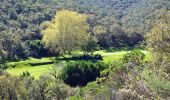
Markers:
<point>68,31</point>
<point>158,40</point>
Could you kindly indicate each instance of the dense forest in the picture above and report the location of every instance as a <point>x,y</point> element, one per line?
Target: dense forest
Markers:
<point>83,40</point>
<point>115,23</point>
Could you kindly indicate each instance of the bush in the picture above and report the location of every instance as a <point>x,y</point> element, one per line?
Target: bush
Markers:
<point>34,48</point>
<point>110,49</point>
<point>3,66</point>
<point>91,46</point>
<point>2,72</point>
<point>25,74</point>
<point>82,72</point>
<point>136,57</point>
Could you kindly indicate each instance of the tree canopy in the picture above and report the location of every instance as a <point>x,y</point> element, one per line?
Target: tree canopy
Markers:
<point>158,40</point>
<point>68,31</point>
<point>114,23</point>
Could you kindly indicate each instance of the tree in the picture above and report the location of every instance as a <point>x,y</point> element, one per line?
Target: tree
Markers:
<point>81,72</point>
<point>11,88</point>
<point>66,32</point>
<point>90,46</point>
<point>35,48</point>
<point>158,40</point>
<point>11,44</point>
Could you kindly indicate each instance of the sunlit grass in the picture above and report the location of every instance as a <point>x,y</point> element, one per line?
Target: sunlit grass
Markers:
<point>29,61</point>
<point>117,55</point>
<point>17,68</point>
<point>35,71</point>
<point>39,70</point>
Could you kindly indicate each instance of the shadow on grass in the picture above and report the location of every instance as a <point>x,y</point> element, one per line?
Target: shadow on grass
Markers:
<point>93,58</point>
<point>39,64</point>
<point>118,49</point>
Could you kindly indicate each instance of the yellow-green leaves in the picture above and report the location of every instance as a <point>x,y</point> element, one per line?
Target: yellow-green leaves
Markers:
<point>158,39</point>
<point>66,32</point>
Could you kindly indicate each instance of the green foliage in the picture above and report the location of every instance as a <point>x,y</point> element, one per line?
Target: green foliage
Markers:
<point>122,25</point>
<point>41,66</point>
<point>2,72</point>
<point>81,72</point>
<point>90,46</point>
<point>67,32</point>
<point>11,88</point>
<point>114,67</point>
<point>157,83</point>
<point>158,43</point>
<point>135,57</point>
<point>92,90</point>
<point>59,91</point>
<point>113,23</point>
<point>26,88</point>
<point>3,66</point>
<point>35,49</point>
<point>20,23</point>
<point>25,74</point>
<point>158,40</point>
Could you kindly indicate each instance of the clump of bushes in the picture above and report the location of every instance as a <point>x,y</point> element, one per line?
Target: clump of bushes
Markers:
<point>27,88</point>
<point>81,72</point>
<point>2,72</point>
<point>25,74</point>
<point>135,56</point>
<point>3,66</point>
<point>122,80</point>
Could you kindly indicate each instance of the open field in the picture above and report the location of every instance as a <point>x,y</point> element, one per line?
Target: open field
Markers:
<point>35,71</point>
<point>112,56</point>
<point>38,67</point>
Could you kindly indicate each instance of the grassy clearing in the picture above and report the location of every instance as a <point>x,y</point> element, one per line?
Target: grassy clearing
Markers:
<point>112,56</point>
<point>17,68</point>
<point>28,62</point>
<point>35,71</point>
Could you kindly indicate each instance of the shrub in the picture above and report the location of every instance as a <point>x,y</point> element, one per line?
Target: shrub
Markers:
<point>160,85</point>
<point>2,72</point>
<point>35,49</point>
<point>3,66</point>
<point>25,74</point>
<point>91,46</point>
<point>136,57</point>
<point>82,72</point>
<point>110,49</point>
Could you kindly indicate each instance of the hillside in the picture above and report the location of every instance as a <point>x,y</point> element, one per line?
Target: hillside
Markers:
<point>84,49</point>
<point>141,14</point>
<point>122,22</point>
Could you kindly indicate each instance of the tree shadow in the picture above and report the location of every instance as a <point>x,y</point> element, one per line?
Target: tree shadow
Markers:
<point>93,58</point>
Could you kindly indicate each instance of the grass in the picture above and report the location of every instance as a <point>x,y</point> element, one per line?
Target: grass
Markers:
<point>29,61</point>
<point>35,71</point>
<point>17,68</point>
<point>112,56</point>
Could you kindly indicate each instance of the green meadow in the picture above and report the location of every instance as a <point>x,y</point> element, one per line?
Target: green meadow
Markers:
<point>38,67</point>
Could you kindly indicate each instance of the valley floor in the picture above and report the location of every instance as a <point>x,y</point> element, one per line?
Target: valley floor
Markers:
<point>38,67</point>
